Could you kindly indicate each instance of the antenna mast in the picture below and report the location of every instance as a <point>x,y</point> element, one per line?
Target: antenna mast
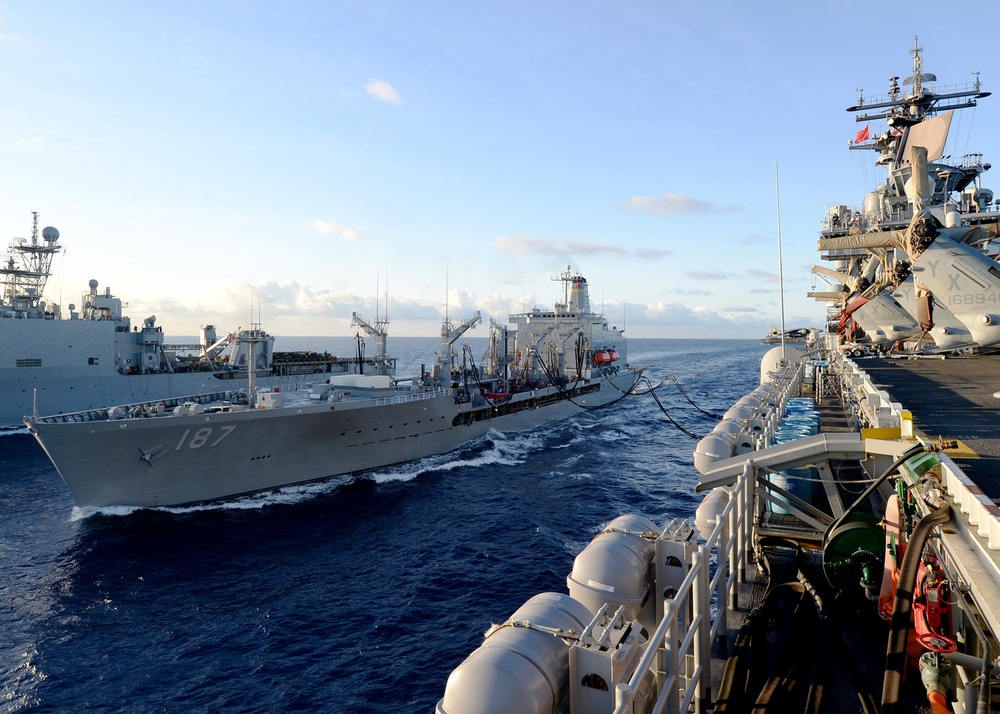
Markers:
<point>781,274</point>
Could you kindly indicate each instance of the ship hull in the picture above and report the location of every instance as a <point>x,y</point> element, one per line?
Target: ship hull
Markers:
<point>179,460</point>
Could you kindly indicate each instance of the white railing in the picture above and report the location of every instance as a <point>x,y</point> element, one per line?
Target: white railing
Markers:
<point>680,648</point>
<point>873,406</point>
<point>103,414</point>
<point>148,408</point>
<point>982,513</point>
<point>402,399</point>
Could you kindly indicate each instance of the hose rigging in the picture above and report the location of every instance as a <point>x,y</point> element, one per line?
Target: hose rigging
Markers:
<point>560,385</point>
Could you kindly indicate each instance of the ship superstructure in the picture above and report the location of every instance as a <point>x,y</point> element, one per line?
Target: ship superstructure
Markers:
<point>87,354</point>
<point>914,265</point>
<point>570,340</point>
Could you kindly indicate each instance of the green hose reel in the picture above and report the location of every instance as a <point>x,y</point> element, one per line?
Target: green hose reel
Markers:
<point>853,554</point>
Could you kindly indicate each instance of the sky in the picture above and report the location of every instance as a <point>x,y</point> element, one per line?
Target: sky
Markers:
<point>287,164</point>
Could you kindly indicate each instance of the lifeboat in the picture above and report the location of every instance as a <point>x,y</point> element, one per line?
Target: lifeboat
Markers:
<point>602,357</point>
<point>613,354</point>
<point>498,391</point>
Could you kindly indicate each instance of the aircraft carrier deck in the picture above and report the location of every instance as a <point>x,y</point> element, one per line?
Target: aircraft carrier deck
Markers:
<point>951,398</point>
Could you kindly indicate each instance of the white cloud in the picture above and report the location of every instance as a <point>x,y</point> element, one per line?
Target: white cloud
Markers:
<point>30,143</point>
<point>9,36</point>
<point>675,204</point>
<point>293,308</point>
<point>527,245</point>
<point>576,247</point>
<point>651,253</point>
<point>383,91</point>
<point>709,275</point>
<point>755,239</point>
<point>764,275</point>
<point>336,229</point>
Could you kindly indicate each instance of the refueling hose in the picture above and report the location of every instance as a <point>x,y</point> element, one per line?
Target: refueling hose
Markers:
<point>902,607</point>
<point>779,659</point>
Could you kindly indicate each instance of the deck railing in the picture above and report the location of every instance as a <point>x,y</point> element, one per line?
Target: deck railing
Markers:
<point>415,397</point>
<point>680,649</point>
<point>149,407</point>
<point>104,414</point>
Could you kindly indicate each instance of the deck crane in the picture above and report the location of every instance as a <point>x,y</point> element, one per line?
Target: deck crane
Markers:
<point>379,332</point>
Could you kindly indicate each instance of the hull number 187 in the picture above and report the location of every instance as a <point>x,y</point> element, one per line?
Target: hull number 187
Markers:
<point>202,437</point>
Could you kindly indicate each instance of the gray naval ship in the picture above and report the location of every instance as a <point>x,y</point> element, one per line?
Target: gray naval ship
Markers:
<point>544,365</point>
<point>91,355</point>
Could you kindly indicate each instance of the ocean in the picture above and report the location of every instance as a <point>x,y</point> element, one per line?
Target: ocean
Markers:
<point>357,594</point>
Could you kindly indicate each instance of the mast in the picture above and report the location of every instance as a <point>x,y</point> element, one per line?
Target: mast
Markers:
<point>377,329</point>
<point>781,273</point>
<point>27,269</point>
<point>918,76</point>
<point>919,104</point>
<point>449,335</point>
<point>251,375</point>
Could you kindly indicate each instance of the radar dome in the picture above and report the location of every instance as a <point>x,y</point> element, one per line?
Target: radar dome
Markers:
<point>50,233</point>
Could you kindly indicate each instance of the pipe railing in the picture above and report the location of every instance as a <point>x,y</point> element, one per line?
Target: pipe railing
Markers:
<point>684,636</point>
<point>691,596</point>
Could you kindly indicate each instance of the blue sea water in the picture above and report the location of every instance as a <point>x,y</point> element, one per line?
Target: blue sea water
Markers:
<point>358,594</point>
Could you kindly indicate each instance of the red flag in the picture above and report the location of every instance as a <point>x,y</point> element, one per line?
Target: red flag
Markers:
<point>863,135</point>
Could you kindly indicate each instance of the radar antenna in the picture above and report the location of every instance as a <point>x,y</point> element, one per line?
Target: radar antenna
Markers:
<point>27,267</point>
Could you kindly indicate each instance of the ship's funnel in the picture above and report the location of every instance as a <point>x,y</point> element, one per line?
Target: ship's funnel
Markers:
<point>579,295</point>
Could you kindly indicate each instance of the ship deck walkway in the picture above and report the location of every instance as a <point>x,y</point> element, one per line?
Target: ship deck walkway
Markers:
<point>851,666</point>
<point>766,654</point>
